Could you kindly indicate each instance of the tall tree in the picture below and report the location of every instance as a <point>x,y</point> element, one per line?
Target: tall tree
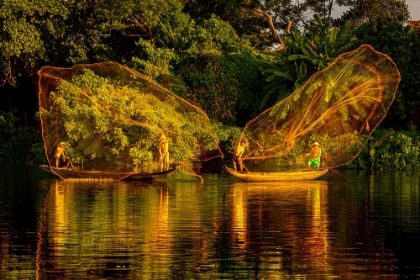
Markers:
<point>212,66</point>
<point>357,11</point>
<point>28,30</point>
<point>63,33</point>
<point>401,42</point>
<point>249,18</point>
<point>361,11</point>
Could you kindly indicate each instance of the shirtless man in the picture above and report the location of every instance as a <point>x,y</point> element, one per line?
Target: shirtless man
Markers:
<point>163,148</point>
<point>237,155</point>
<point>315,154</point>
<point>60,154</point>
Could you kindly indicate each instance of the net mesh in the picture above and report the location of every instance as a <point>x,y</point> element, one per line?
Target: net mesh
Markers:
<point>338,107</point>
<point>112,117</point>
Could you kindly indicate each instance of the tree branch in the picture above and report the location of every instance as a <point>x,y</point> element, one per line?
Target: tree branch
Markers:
<point>7,72</point>
<point>276,37</point>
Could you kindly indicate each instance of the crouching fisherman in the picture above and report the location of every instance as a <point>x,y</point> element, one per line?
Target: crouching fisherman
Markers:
<point>315,154</point>
<point>61,158</point>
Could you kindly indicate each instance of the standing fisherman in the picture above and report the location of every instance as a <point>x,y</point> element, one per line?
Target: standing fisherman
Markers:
<point>163,148</point>
<point>315,154</point>
<point>237,155</point>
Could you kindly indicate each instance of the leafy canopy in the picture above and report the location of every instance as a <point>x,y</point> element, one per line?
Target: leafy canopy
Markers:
<point>108,120</point>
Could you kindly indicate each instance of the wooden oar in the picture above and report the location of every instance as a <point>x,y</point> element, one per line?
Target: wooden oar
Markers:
<point>340,174</point>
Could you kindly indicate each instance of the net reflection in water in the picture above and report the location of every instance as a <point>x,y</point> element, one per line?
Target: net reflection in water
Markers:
<point>182,229</point>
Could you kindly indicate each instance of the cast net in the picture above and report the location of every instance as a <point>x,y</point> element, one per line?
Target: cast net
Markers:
<point>111,117</point>
<point>338,107</point>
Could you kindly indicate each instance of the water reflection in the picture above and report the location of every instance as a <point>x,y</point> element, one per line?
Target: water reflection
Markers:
<point>368,226</point>
<point>111,228</point>
<point>286,226</point>
<point>162,229</point>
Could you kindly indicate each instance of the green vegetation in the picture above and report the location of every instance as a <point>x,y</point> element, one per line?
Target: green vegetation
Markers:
<point>19,145</point>
<point>306,54</point>
<point>220,57</point>
<point>115,120</point>
<point>388,149</point>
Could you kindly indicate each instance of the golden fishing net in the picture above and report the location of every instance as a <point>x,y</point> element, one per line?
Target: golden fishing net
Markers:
<point>111,117</point>
<point>338,107</point>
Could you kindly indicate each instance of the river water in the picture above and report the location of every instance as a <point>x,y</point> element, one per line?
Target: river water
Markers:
<point>353,225</point>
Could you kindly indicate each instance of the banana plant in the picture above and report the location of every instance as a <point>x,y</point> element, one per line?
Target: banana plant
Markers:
<point>307,52</point>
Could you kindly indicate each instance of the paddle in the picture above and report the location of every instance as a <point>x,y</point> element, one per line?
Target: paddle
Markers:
<point>340,174</point>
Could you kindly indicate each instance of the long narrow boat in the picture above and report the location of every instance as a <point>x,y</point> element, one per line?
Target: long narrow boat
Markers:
<point>292,175</point>
<point>105,174</point>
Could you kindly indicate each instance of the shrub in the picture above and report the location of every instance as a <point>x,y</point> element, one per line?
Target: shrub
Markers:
<point>17,143</point>
<point>390,150</point>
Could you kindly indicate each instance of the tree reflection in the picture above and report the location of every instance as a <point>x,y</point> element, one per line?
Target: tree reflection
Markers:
<point>184,229</point>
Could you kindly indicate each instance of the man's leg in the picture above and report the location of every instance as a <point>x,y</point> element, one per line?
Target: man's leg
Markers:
<point>167,161</point>
<point>241,165</point>
<point>234,163</point>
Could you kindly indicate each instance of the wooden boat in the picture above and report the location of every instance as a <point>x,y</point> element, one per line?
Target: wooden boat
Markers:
<point>151,176</point>
<point>105,174</point>
<point>292,175</point>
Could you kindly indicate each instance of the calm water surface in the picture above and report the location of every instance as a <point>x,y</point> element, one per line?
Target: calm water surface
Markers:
<point>362,228</point>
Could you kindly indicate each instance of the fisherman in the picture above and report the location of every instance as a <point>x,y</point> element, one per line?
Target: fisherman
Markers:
<point>315,154</point>
<point>163,148</point>
<point>60,155</point>
<point>237,155</point>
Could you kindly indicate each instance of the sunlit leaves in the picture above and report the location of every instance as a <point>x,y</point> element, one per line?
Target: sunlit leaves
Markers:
<point>116,116</point>
<point>338,107</point>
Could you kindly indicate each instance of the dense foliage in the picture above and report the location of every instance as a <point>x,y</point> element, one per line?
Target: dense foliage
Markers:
<point>306,54</point>
<point>19,145</point>
<point>390,150</point>
<point>211,66</point>
<point>402,44</point>
<point>217,54</point>
<point>105,121</point>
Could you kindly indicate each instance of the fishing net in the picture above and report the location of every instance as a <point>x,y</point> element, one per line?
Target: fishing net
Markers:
<point>338,107</point>
<point>111,117</point>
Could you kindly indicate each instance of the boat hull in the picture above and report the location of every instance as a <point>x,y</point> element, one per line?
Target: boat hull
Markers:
<point>297,175</point>
<point>105,175</point>
<point>151,176</point>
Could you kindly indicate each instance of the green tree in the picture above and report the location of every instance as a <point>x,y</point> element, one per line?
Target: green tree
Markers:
<point>65,33</point>
<point>220,72</point>
<point>117,120</point>
<point>356,11</point>
<point>361,11</point>
<point>249,19</point>
<point>28,30</point>
<point>205,62</point>
<point>390,36</point>
<point>18,144</point>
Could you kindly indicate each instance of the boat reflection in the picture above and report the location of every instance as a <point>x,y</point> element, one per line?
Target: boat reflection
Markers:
<point>99,229</point>
<point>259,215</point>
